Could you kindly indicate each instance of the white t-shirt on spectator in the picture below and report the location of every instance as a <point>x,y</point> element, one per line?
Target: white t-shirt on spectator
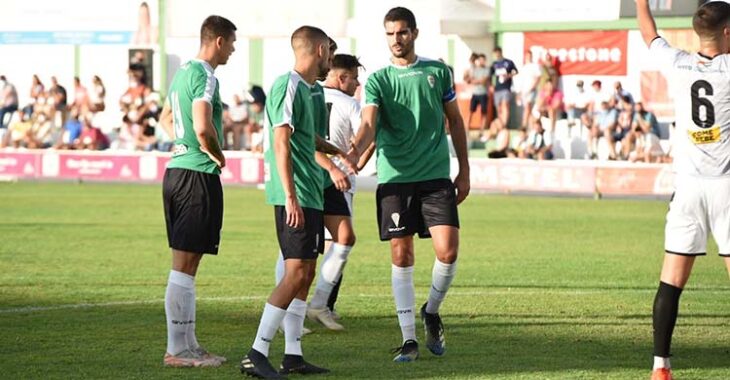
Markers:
<point>527,76</point>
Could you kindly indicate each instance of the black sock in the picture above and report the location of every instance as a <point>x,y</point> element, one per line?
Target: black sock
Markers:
<point>333,296</point>
<point>666,305</point>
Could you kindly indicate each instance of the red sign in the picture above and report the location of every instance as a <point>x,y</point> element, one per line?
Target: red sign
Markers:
<point>582,52</point>
<point>99,167</point>
<point>19,165</point>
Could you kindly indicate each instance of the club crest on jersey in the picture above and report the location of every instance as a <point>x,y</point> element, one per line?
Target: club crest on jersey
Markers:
<point>431,81</point>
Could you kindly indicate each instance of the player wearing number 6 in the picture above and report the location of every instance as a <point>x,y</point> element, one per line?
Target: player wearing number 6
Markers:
<point>192,192</point>
<point>701,202</point>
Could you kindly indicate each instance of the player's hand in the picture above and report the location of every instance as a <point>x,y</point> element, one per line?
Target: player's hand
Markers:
<point>294,213</point>
<point>463,186</point>
<point>350,160</point>
<point>340,179</point>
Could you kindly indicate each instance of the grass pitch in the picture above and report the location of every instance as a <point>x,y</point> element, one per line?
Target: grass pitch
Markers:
<point>547,288</point>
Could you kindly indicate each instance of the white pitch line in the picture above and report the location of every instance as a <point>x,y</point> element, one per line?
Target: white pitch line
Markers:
<point>508,291</point>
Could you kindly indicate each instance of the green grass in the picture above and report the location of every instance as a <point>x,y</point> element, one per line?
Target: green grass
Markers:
<point>547,288</point>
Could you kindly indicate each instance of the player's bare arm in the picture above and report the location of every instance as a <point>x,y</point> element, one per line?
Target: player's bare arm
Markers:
<point>365,157</point>
<point>205,132</point>
<point>324,146</point>
<point>458,137</point>
<point>366,133</point>
<point>166,119</point>
<point>647,26</point>
<point>339,178</point>
<point>282,153</point>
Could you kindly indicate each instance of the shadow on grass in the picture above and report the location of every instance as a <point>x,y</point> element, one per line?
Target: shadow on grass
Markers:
<point>129,341</point>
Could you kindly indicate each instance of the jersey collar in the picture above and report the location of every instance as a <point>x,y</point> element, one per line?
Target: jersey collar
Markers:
<point>205,64</point>
<point>418,59</point>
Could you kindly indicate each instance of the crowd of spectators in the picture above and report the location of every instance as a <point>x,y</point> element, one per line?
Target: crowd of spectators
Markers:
<point>611,118</point>
<point>53,119</point>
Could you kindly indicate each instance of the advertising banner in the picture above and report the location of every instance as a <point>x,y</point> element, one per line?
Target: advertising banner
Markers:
<point>582,52</point>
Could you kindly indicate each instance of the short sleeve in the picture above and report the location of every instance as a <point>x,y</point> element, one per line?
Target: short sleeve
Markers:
<point>280,104</point>
<point>512,67</point>
<point>203,86</point>
<point>447,86</point>
<point>665,55</point>
<point>373,92</point>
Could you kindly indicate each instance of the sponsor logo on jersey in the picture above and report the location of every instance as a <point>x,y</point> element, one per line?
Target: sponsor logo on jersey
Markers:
<point>706,136</point>
<point>179,150</point>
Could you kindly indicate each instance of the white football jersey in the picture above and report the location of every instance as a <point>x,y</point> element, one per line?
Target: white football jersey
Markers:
<point>701,89</point>
<point>344,122</point>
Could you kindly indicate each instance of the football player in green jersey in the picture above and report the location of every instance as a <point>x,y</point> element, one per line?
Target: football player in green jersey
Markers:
<point>406,102</point>
<point>192,192</point>
<point>294,186</point>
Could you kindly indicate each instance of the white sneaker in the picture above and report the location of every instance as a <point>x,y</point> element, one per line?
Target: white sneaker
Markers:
<point>335,315</point>
<point>188,358</point>
<point>324,316</point>
<point>207,355</point>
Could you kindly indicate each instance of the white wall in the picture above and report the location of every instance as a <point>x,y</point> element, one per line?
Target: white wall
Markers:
<point>20,62</point>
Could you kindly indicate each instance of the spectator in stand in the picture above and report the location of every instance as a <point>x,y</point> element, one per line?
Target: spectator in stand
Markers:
<point>19,128</point>
<point>621,131</point>
<point>36,93</point>
<point>237,112</point>
<point>478,78</point>
<point>498,131</point>
<point>91,138</point>
<point>619,93</point>
<point>645,120</point>
<point>520,144</point>
<point>97,95</point>
<point>46,130</point>
<point>81,97</point>
<point>133,107</point>
<point>646,147</point>
<point>59,95</point>
<point>549,104</point>
<point>254,119</point>
<point>604,120</point>
<point>8,100</point>
<point>550,71</point>
<point>578,106</point>
<point>530,79</point>
<point>642,141</point>
<point>502,70</point>
<point>539,142</point>
<point>71,131</point>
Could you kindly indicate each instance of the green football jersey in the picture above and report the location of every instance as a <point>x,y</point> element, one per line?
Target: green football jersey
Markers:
<point>290,102</point>
<point>322,119</point>
<point>410,135</point>
<point>193,82</point>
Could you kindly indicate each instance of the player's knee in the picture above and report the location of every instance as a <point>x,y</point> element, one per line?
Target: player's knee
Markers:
<point>348,239</point>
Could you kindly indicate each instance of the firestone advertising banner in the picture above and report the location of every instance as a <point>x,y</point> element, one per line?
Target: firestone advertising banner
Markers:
<point>582,52</point>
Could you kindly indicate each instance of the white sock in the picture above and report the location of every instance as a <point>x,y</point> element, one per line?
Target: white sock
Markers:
<point>442,276</point>
<point>279,272</point>
<point>660,362</point>
<point>293,325</point>
<point>190,333</point>
<point>405,300</point>
<point>329,272</point>
<point>179,310</point>
<point>270,320</point>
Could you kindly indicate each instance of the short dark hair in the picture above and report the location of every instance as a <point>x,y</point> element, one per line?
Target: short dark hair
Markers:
<point>401,14</point>
<point>710,19</point>
<point>596,83</point>
<point>311,34</point>
<point>345,61</point>
<point>497,49</point>
<point>214,27</point>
